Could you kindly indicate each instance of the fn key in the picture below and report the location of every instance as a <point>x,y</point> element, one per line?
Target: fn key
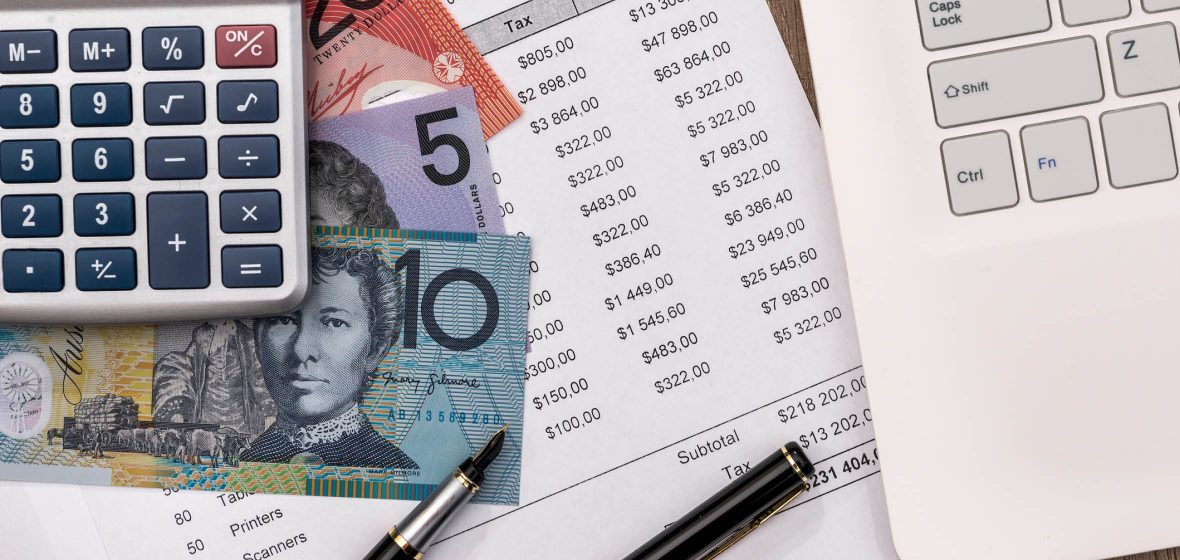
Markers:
<point>178,241</point>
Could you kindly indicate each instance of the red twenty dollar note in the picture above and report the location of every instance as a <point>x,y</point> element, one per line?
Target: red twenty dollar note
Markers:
<point>363,53</point>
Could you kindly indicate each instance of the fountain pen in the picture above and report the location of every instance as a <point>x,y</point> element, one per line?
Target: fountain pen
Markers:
<point>409,539</point>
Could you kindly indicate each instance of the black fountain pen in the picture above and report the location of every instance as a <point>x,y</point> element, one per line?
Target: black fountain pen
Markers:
<point>735,511</point>
<point>409,539</point>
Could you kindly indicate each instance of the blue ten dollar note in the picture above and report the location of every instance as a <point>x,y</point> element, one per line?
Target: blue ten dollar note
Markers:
<point>405,358</point>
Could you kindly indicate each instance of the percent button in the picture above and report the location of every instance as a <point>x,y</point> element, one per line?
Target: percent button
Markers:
<point>246,46</point>
<point>173,48</point>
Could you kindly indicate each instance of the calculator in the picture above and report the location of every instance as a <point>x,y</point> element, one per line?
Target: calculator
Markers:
<point>153,160</point>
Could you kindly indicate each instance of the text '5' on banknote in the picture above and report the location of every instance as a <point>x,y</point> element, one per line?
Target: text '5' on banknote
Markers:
<point>404,359</point>
<point>420,164</point>
<point>365,52</point>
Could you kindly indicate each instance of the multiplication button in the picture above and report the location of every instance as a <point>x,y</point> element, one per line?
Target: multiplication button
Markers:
<point>178,241</point>
<point>28,52</point>
<point>100,50</point>
<point>259,266</point>
<point>32,271</point>
<point>250,212</point>
<point>105,270</point>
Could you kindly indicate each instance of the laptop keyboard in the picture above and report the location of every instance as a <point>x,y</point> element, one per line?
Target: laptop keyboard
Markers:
<point>1058,156</point>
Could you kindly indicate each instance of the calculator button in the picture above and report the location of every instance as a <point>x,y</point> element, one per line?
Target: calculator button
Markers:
<point>248,102</point>
<point>30,161</point>
<point>104,215</point>
<point>28,52</point>
<point>30,216</point>
<point>167,103</point>
<point>100,50</point>
<point>246,46</point>
<point>173,48</point>
<point>248,157</point>
<point>175,158</point>
<point>33,271</point>
<point>105,270</point>
<point>178,241</point>
<point>106,159</point>
<point>28,107</point>
<point>252,267</point>
<point>100,105</point>
<point>250,212</point>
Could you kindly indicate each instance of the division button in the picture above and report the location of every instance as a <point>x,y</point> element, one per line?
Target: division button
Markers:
<point>28,271</point>
<point>30,161</point>
<point>171,159</point>
<point>178,241</point>
<point>170,103</point>
<point>258,266</point>
<point>26,216</point>
<point>246,46</point>
<point>100,50</point>
<point>248,157</point>
<point>105,270</point>
<point>248,102</point>
<point>173,48</point>
<point>104,215</point>
<point>979,173</point>
<point>28,107</point>
<point>250,212</point>
<point>28,52</point>
<point>100,105</point>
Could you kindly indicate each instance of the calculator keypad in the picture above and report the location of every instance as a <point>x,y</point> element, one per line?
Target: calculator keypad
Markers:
<point>154,151</point>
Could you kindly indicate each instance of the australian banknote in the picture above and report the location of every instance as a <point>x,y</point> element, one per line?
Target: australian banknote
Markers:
<point>365,52</point>
<point>420,164</point>
<point>404,359</point>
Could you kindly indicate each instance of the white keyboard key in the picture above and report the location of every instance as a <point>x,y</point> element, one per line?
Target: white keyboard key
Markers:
<point>1081,12</point>
<point>950,23</point>
<point>1139,147</point>
<point>1059,159</point>
<point>1160,5</point>
<point>1145,59</point>
<point>979,173</point>
<point>1016,81</point>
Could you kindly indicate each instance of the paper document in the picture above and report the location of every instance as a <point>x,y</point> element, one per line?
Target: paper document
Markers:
<point>689,305</point>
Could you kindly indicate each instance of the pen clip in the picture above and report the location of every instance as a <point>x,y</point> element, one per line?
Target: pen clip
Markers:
<point>741,533</point>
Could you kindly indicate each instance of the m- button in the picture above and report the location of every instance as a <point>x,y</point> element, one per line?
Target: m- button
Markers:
<point>246,46</point>
<point>28,51</point>
<point>979,173</point>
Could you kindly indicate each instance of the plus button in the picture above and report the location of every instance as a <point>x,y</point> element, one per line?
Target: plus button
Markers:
<point>177,242</point>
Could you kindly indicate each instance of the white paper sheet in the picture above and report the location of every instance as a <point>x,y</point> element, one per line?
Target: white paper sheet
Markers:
<point>683,125</point>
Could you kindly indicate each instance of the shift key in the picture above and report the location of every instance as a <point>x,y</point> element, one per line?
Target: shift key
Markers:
<point>1015,82</point>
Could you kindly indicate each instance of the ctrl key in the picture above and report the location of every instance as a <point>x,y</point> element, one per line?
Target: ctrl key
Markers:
<point>979,173</point>
<point>33,271</point>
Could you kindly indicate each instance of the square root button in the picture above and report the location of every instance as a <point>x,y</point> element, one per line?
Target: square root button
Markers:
<point>246,46</point>
<point>258,266</point>
<point>979,173</point>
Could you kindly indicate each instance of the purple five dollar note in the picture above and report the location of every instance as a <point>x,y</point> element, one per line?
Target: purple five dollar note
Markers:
<point>426,156</point>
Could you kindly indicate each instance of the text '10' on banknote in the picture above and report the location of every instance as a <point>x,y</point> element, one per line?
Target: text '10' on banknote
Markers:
<point>362,53</point>
<point>406,356</point>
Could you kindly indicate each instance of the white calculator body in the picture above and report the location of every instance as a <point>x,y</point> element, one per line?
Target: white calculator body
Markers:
<point>152,160</point>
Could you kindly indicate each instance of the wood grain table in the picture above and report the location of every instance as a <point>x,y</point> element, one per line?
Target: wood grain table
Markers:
<point>790,23</point>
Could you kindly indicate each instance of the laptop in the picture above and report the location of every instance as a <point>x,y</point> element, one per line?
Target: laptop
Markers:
<point>1005,173</point>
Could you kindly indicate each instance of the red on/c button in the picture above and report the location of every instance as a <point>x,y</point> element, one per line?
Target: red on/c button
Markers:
<point>246,46</point>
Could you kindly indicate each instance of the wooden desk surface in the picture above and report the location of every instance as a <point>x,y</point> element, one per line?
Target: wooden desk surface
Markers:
<point>790,23</point>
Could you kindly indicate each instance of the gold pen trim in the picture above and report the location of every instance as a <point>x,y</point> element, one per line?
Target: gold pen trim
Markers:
<point>466,482</point>
<point>773,510</point>
<point>405,545</point>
